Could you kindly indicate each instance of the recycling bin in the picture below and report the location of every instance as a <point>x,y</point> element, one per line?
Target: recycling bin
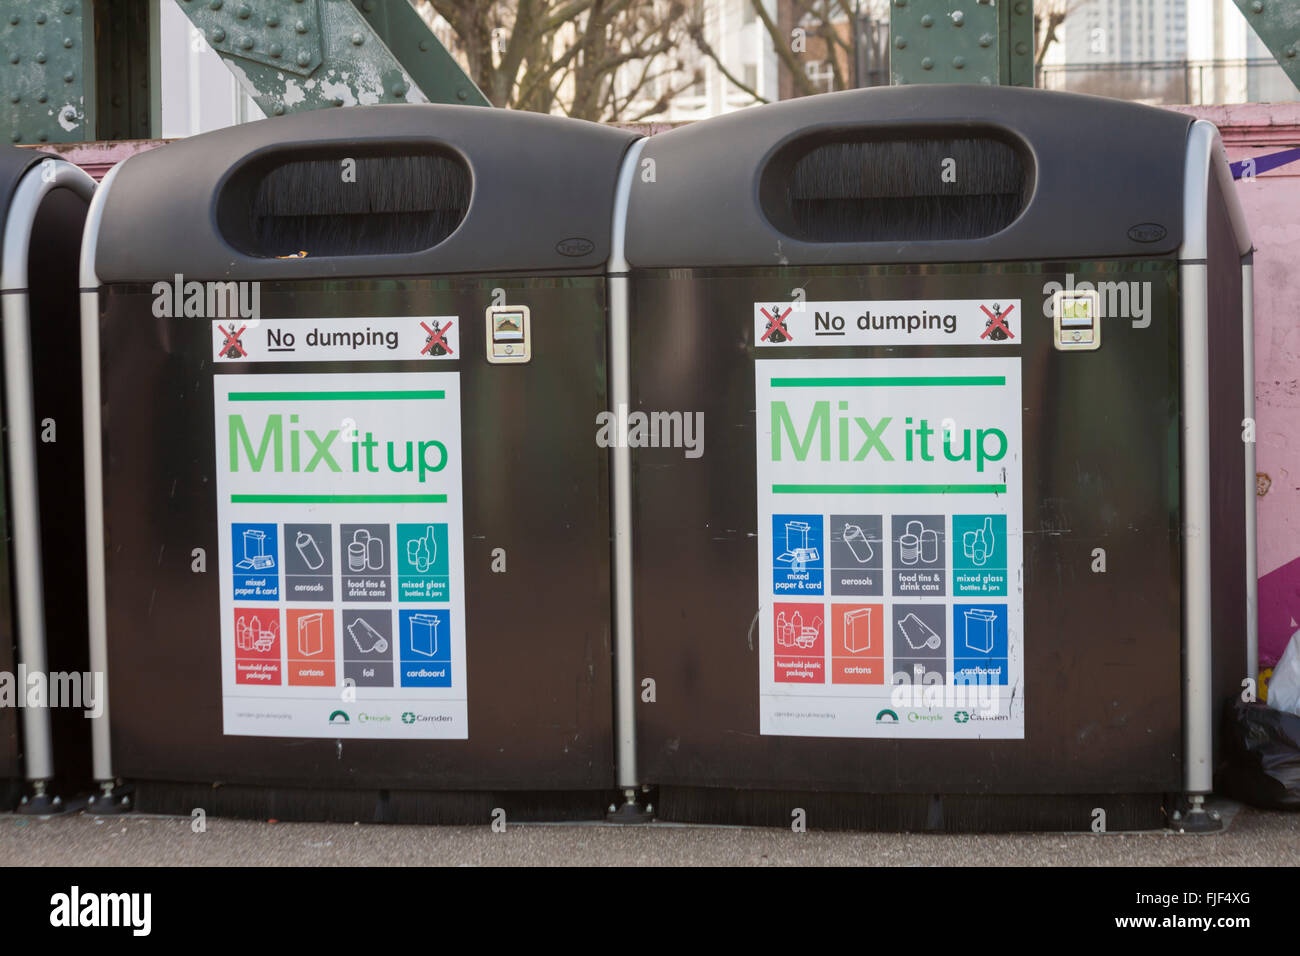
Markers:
<point>351,551</point>
<point>48,692</point>
<point>964,541</point>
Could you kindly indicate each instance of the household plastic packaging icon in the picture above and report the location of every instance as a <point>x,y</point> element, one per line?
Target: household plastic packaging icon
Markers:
<point>251,636</point>
<point>794,633</point>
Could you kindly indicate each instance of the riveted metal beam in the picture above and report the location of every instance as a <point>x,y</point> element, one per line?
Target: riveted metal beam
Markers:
<point>47,84</point>
<point>961,41</point>
<point>295,55</point>
<point>428,62</point>
<point>1277,22</point>
<point>1016,43</point>
<point>126,104</point>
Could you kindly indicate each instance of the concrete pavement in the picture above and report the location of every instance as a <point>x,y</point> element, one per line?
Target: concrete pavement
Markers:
<point>1252,838</point>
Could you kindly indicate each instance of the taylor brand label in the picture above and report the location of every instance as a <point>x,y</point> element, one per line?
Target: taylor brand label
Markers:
<point>905,322</point>
<point>889,497</point>
<point>341,555</point>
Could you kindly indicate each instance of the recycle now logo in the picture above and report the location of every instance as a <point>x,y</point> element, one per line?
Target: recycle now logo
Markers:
<point>408,717</point>
<point>961,716</point>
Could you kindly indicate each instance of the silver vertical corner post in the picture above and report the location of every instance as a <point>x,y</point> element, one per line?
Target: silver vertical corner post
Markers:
<point>37,183</point>
<point>621,492</point>
<point>92,437</point>
<point>1204,159</point>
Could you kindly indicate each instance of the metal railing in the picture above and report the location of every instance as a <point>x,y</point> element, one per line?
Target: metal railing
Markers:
<point>1171,82</point>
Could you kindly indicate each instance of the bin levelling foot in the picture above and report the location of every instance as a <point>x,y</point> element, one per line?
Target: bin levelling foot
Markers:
<point>112,798</point>
<point>39,802</point>
<point>630,811</point>
<point>1195,818</point>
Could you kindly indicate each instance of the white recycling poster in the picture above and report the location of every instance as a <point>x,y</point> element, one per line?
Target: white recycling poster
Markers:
<point>890,558</point>
<point>341,555</point>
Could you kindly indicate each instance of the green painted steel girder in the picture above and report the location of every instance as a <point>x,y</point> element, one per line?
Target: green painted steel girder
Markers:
<point>48,81</point>
<point>295,55</point>
<point>1277,22</point>
<point>409,38</point>
<point>961,41</point>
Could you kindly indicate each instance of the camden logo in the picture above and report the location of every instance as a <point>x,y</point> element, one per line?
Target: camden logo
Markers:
<point>998,326</point>
<point>339,717</point>
<point>408,717</point>
<point>232,345</point>
<point>961,716</point>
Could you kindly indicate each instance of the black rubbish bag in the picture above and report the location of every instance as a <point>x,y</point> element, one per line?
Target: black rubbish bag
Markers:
<point>1263,757</point>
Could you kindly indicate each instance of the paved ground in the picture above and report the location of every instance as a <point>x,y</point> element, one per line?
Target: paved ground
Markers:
<point>1252,838</point>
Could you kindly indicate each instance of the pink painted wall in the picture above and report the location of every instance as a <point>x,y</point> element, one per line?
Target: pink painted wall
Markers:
<point>1272,207</point>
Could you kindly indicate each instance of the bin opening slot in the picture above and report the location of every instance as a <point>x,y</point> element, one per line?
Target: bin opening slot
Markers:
<point>337,202</point>
<point>852,186</point>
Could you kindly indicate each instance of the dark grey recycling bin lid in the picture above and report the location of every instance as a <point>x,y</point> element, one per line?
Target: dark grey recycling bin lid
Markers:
<point>858,177</point>
<point>14,162</point>
<point>493,190</point>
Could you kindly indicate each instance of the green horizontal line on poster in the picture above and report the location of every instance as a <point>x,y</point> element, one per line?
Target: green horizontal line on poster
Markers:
<point>887,381</point>
<point>887,489</point>
<point>338,499</point>
<point>333,396</point>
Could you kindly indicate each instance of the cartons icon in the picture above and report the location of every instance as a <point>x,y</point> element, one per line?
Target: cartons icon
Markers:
<point>857,630</point>
<point>424,634</point>
<point>311,634</point>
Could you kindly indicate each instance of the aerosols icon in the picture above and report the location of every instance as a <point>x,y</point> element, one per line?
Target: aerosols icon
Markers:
<point>858,543</point>
<point>309,550</point>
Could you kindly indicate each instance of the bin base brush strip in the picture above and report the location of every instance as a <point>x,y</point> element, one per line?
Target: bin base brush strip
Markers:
<point>936,813</point>
<point>324,805</point>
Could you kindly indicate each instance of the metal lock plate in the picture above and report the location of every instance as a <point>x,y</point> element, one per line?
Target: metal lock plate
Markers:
<point>509,335</point>
<point>1076,320</point>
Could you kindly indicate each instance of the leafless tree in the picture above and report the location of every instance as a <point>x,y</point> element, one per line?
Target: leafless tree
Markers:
<point>604,60</point>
